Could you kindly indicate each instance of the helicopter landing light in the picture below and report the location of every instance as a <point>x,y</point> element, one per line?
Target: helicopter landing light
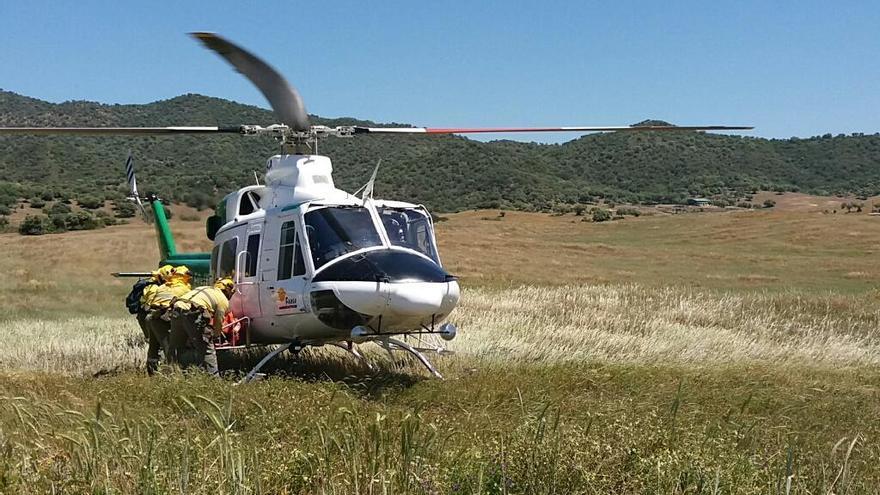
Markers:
<point>447,331</point>
<point>360,334</point>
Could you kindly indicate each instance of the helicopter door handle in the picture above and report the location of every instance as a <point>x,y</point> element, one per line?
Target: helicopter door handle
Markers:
<point>238,273</point>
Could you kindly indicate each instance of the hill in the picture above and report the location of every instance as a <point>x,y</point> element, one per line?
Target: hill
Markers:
<point>446,173</point>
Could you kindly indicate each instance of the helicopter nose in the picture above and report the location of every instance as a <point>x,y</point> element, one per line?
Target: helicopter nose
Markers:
<point>395,299</point>
<point>404,289</point>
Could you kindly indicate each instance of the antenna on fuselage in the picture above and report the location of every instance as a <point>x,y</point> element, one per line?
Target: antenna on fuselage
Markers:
<point>368,187</point>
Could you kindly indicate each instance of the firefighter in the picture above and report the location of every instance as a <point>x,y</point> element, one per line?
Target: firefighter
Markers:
<point>158,303</point>
<point>196,318</point>
<point>146,288</point>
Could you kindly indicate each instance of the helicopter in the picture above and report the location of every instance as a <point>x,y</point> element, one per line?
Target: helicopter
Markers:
<point>314,265</point>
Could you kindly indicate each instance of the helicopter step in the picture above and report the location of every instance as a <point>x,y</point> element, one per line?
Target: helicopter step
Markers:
<point>253,373</point>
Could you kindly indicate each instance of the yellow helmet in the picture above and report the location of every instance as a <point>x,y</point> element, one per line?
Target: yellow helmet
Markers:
<point>182,271</point>
<point>163,273</point>
<point>224,284</point>
<point>180,275</point>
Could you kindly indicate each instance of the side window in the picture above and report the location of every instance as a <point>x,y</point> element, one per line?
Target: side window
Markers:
<point>290,259</point>
<point>227,258</point>
<point>215,254</point>
<point>253,252</point>
<point>299,266</point>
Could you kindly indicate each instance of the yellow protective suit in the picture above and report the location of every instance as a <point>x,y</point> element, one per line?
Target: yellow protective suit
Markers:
<point>211,300</point>
<point>160,296</point>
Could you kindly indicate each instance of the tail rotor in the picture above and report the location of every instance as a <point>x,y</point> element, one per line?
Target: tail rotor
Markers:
<point>132,185</point>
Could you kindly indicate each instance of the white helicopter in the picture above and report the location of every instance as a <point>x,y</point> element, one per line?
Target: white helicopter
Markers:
<point>314,265</point>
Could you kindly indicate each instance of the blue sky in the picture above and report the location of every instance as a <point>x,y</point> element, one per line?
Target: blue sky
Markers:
<point>789,68</point>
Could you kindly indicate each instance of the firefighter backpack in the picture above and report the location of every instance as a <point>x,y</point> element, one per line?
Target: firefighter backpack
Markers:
<point>133,299</point>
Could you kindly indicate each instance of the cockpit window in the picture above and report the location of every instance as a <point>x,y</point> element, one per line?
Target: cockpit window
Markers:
<point>409,228</point>
<point>335,231</point>
<point>249,203</point>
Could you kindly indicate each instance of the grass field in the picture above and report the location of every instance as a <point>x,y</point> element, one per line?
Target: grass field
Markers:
<point>694,353</point>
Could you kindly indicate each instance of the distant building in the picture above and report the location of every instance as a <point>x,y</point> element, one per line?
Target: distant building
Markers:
<point>699,202</point>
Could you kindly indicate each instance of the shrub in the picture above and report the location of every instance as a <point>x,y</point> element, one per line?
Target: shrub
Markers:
<point>35,225</point>
<point>601,215</point>
<point>37,202</point>
<point>57,209</point>
<point>82,220</point>
<point>124,209</point>
<point>5,210</point>
<point>4,223</point>
<point>59,223</point>
<point>189,217</point>
<point>104,219</point>
<point>579,210</point>
<point>90,202</point>
<point>769,203</point>
<point>628,211</point>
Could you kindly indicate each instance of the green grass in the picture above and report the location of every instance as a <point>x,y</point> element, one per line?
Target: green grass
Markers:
<point>518,429</point>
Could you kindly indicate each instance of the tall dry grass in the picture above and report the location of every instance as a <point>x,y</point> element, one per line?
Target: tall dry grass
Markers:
<point>551,325</point>
<point>632,324</point>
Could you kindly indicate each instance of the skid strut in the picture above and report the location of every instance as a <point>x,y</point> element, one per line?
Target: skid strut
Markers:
<point>390,344</point>
<point>351,349</point>
<point>252,373</point>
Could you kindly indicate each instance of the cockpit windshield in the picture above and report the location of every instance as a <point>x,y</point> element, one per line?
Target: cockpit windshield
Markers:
<point>337,230</point>
<point>409,228</point>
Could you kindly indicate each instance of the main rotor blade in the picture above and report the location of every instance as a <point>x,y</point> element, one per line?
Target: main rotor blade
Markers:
<point>471,130</point>
<point>116,131</point>
<point>285,100</point>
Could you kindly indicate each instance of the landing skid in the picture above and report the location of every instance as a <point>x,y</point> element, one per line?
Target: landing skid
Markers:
<point>351,349</point>
<point>392,344</point>
<point>384,341</point>
<point>252,373</point>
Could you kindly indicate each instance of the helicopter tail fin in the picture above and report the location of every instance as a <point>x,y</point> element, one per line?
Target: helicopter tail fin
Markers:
<point>198,263</point>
